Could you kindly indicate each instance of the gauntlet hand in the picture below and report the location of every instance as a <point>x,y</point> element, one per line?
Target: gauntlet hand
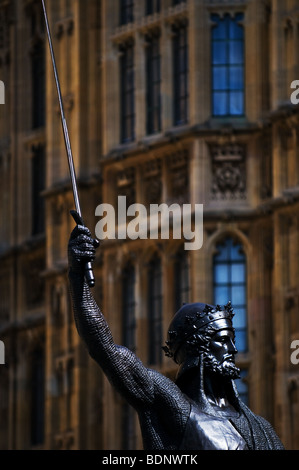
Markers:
<point>81,248</point>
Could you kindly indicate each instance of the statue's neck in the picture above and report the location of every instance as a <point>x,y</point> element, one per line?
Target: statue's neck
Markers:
<point>215,389</point>
<point>211,390</point>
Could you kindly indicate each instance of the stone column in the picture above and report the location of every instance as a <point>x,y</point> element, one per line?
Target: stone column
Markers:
<point>277,66</point>
<point>109,86</point>
<point>140,87</point>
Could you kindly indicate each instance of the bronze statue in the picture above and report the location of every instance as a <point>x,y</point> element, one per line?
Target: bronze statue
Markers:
<point>201,410</point>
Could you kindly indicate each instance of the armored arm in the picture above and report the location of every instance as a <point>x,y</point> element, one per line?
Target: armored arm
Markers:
<point>123,369</point>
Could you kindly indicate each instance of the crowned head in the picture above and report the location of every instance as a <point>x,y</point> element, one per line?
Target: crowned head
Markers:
<point>195,331</point>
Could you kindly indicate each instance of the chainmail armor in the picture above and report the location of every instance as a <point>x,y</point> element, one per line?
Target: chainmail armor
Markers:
<point>162,407</point>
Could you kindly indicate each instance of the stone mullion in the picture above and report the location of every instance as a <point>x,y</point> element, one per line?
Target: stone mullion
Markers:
<point>77,62</point>
<point>139,9</point>
<point>280,282</point>
<point>94,131</point>
<point>62,57</point>
<point>110,88</point>
<point>276,169</point>
<point>288,34</point>
<point>277,70</point>
<point>22,126</point>
<point>293,251</point>
<point>199,62</point>
<point>199,186</point>
<point>259,323</point>
<point>54,158</point>
<point>140,87</point>
<point>199,165</point>
<point>292,58</point>
<point>293,154</point>
<point>255,86</point>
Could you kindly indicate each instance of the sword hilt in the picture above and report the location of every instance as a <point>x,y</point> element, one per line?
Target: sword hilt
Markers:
<point>88,271</point>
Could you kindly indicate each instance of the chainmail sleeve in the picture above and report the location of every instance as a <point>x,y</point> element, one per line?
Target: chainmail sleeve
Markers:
<point>123,369</point>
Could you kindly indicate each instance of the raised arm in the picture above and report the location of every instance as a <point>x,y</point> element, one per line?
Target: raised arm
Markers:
<point>123,369</point>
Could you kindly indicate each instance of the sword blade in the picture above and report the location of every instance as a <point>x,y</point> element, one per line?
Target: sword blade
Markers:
<point>88,267</point>
<point>63,120</point>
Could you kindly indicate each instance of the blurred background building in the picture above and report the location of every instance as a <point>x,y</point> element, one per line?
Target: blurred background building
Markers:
<point>166,102</point>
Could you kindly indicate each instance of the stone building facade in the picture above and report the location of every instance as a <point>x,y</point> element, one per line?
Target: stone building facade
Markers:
<point>174,102</point>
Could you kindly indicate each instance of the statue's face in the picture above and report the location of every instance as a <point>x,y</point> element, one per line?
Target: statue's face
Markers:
<point>222,347</point>
<point>220,357</point>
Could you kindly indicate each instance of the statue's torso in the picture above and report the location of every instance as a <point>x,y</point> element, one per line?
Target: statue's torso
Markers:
<point>210,432</point>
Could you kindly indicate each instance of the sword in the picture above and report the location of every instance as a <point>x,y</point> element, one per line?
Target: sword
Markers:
<point>89,276</point>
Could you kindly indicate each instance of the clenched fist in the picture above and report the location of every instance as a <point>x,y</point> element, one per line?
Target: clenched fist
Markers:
<point>81,248</point>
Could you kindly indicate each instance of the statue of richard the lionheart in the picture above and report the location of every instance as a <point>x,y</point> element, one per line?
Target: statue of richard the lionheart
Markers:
<point>201,410</point>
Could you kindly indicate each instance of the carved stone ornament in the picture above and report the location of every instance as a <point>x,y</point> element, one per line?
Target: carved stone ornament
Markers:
<point>228,173</point>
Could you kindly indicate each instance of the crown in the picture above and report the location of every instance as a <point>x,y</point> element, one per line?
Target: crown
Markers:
<point>210,314</point>
<point>191,319</point>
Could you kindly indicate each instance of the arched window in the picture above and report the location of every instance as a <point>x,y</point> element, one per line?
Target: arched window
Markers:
<point>155,298</point>
<point>128,304</point>
<point>230,283</point>
<point>181,279</point>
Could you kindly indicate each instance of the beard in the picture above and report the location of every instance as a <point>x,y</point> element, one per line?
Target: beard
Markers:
<point>226,369</point>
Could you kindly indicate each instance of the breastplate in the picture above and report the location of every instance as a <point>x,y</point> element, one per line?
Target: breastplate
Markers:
<point>207,432</point>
